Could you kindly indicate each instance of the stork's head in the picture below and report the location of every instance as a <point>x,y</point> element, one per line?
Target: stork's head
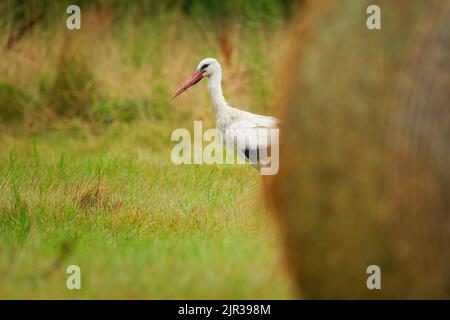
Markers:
<point>206,68</point>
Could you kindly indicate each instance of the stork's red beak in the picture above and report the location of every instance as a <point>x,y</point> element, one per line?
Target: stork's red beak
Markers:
<point>196,77</point>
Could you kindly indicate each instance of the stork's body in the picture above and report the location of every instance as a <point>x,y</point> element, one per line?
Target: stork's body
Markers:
<point>247,133</point>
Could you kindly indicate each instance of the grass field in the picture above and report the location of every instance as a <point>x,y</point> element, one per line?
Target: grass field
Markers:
<point>85,171</point>
<point>136,224</point>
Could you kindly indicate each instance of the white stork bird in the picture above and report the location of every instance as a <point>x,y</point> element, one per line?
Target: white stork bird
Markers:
<point>248,133</point>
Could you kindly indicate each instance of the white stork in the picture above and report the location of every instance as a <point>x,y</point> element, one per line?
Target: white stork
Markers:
<point>247,133</point>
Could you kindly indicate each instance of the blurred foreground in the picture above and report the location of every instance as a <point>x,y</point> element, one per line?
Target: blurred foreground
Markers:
<point>365,178</point>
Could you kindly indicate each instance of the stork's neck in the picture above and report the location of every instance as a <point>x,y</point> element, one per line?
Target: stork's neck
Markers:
<point>219,104</point>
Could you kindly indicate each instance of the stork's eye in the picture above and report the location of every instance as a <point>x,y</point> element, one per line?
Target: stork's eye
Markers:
<point>204,66</point>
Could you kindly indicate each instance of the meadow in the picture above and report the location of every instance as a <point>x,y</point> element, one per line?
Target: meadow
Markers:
<point>85,170</point>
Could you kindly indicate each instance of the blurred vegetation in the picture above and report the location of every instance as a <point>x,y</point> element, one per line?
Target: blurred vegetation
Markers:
<point>129,56</point>
<point>13,102</point>
<point>205,9</point>
<point>73,91</point>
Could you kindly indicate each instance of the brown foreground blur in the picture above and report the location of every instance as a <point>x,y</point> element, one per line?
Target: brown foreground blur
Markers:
<point>364,176</point>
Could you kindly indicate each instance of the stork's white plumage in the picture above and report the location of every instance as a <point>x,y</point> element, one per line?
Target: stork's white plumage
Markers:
<point>248,132</point>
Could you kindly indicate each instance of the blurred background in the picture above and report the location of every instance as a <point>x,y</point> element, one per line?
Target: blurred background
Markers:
<point>86,176</point>
<point>129,56</point>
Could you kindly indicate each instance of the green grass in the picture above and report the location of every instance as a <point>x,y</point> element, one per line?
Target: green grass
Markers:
<point>85,170</point>
<point>137,225</point>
